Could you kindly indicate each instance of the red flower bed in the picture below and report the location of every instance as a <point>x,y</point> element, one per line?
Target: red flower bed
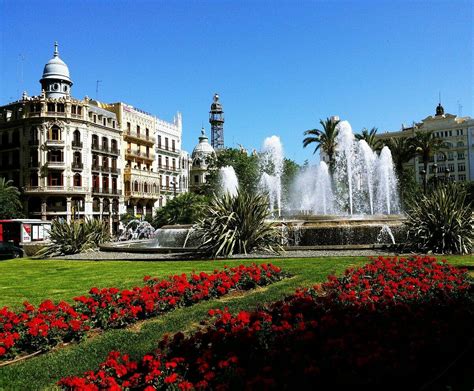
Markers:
<point>43,327</point>
<point>320,337</point>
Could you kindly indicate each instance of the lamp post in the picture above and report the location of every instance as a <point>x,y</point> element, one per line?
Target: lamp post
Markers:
<point>423,173</point>
<point>446,175</point>
<point>435,173</point>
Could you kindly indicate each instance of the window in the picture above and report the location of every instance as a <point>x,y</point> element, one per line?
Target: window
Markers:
<point>51,107</point>
<point>159,161</point>
<point>147,133</point>
<point>174,164</point>
<point>460,144</point>
<point>73,109</point>
<point>105,183</point>
<point>460,155</point>
<point>450,155</point>
<point>77,158</point>
<point>461,167</point>
<point>55,156</point>
<point>451,167</point>
<point>55,179</point>
<point>138,130</point>
<point>104,121</point>
<point>60,107</point>
<point>462,177</point>
<point>173,145</point>
<point>135,186</point>
<point>79,110</point>
<point>128,127</point>
<point>167,163</point>
<point>77,180</point>
<point>167,182</point>
<point>196,178</point>
<point>147,151</point>
<point>159,141</point>
<point>145,187</point>
<point>166,143</point>
<point>95,118</point>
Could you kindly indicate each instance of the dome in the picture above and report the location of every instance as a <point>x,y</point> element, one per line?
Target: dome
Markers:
<point>56,68</point>
<point>203,148</point>
<point>216,105</point>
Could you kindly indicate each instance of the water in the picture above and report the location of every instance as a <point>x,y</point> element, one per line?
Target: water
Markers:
<point>385,234</point>
<point>363,183</point>
<point>137,229</point>
<point>228,181</point>
<point>271,167</point>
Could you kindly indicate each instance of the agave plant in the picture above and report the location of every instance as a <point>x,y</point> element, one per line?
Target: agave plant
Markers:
<point>441,221</point>
<point>237,225</point>
<point>75,237</point>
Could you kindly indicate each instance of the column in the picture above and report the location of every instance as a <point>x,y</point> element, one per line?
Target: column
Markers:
<point>43,208</point>
<point>68,209</point>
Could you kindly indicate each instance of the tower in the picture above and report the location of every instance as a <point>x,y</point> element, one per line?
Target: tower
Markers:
<point>216,119</point>
<point>56,81</point>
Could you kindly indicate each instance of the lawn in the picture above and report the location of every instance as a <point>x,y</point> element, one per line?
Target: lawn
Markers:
<point>35,280</point>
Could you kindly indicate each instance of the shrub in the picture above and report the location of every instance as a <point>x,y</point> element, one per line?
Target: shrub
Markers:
<point>187,208</point>
<point>75,237</point>
<point>237,225</point>
<point>441,221</point>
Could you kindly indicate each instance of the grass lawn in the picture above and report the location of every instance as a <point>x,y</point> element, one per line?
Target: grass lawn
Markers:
<point>36,280</point>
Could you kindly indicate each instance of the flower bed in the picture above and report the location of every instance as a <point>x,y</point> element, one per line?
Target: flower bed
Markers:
<point>47,325</point>
<point>352,330</point>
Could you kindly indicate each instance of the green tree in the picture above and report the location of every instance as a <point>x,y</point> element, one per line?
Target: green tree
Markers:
<point>370,137</point>
<point>402,149</point>
<point>245,166</point>
<point>10,204</point>
<point>324,139</point>
<point>186,208</point>
<point>426,145</point>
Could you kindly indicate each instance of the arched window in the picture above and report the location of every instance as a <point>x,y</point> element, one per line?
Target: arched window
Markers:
<point>77,136</point>
<point>95,141</point>
<point>55,133</point>
<point>135,186</point>
<point>105,144</point>
<point>145,187</point>
<point>77,180</point>
<point>77,158</point>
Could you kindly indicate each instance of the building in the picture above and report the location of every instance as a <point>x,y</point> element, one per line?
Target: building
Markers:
<point>77,158</point>
<point>216,119</point>
<point>457,159</point>
<point>63,152</point>
<point>200,158</point>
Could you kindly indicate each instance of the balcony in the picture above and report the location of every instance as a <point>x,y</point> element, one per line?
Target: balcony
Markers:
<point>54,143</point>
<point>77,144</point>
<point>139,155</point>
<point>55,189</point>
<point>139,138</point>
<point>106,191</point>
<point>95,167</point>
<point>52,164</point>
<point>162,149</point>
<point>77,166</point>
<point>114,170</point>
<point>168,169</point>
<point>141,194</point>
<point>104,149</point>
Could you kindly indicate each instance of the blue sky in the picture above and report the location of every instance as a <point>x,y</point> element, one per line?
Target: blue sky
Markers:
<point>279,66</point>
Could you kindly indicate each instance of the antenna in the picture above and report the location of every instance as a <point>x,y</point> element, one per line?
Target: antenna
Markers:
<point>97,89</point>
<point>459,108</point>
<point>439,96</point>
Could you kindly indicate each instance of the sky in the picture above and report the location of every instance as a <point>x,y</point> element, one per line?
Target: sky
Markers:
<point>279,66</point>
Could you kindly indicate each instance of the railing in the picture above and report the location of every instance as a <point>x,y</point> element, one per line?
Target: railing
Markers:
<point>142,194</point>
<point>55,143</point>
<point>99,190</point>
<point>142,137</point>
<point>141,155</point>
<point>114,170</point>
<point>77,166</point>
<point>168,168</point>
<point>77,144</point>
<point>52,163</point>
<point>95,167</point>
<point>55,189</point>
<point>105,149</point>
<point>161,148</point>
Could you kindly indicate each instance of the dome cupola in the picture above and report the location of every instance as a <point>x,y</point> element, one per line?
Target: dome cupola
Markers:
<point>56,81</point>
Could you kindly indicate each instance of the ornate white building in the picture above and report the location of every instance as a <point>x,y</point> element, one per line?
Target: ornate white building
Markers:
<point>82,158</point>
<point>200,158</point>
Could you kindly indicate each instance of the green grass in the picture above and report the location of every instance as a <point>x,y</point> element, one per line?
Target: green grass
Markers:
<point>36,280</point>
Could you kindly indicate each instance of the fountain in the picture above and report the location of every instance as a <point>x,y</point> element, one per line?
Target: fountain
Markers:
<point>353,204</point>
<point>228,181</point>
<point>271,168</point>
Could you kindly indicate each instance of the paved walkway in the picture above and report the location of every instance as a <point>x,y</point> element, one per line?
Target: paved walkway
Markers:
<point>112,256</point>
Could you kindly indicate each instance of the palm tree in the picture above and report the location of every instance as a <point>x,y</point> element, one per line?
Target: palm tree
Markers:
<point>370,137</point>
<point>324,139</point>
<point>426,146</point>
<point>10,204</point>
<point>402,150</point>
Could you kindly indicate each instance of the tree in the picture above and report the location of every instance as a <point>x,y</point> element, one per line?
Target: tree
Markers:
<point>403,151</point>
<point>245,166</point>
<point>10,204</point>
<point>187,208</point>
<point>370,137</point>
<point>324,139</point>
<point>426,146</point>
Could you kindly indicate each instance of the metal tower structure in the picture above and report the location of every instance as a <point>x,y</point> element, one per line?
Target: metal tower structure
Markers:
<point>216,119</point>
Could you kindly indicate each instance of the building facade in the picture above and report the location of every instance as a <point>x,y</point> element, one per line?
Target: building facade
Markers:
<point>78,158</point>
<point>457,133</point>
<point>202,154</point>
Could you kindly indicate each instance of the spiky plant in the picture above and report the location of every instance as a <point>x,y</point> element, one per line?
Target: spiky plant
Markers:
<point>75,237</point>
<point>237,225</point>
<point>441,221</point>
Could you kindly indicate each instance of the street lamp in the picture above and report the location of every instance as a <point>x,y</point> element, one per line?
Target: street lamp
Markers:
<point>446,175</point>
